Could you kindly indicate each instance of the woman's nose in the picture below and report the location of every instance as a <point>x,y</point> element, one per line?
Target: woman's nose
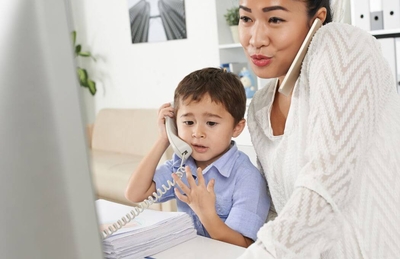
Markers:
<point>259,36</point>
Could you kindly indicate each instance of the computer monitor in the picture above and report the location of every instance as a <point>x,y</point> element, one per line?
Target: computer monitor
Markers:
<point>46,194</point>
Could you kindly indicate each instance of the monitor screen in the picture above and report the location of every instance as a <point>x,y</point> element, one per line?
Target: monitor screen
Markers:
<point>46,194</point>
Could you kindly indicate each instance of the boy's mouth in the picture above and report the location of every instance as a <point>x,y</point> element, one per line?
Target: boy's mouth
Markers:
<point>199,148</point>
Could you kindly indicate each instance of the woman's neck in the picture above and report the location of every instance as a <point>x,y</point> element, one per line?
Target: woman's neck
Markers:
<point>280,111</point>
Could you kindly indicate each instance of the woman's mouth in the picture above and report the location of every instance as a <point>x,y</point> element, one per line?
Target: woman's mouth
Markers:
<point>261,60</point>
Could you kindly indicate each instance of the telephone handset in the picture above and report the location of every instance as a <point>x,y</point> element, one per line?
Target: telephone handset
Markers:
<point>294,69</point>
<point>180,147</point>
<point>183,150</point>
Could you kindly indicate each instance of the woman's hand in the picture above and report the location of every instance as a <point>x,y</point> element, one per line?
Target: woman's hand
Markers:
<point>165,110</point>
<point>199,197</point>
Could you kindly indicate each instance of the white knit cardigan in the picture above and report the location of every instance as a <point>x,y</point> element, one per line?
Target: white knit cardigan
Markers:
<point>334,175</point>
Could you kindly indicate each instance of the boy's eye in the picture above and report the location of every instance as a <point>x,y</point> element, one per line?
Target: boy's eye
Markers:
<point>211,123</point>
<point>189,123</point>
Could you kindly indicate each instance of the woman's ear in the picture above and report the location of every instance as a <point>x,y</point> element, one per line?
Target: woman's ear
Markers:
<point>239,128</point>
<point>321,14</point>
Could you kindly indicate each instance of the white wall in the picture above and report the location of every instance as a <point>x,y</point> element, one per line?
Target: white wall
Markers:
<point>140,75</point>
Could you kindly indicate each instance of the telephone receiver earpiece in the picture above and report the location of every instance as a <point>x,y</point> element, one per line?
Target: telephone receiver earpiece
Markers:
<point>180,147</point>
<point>293,73</point>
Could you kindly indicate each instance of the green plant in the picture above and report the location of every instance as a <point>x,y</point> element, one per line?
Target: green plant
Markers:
<point>83,75</point>
<point>232,16</point>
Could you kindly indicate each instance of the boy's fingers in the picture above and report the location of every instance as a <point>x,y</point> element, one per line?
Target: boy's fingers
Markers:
<point>210,186</point>
<point>181,184</point>
<point>200,177</point>
<point>189,177</point>
<point>180,196</point>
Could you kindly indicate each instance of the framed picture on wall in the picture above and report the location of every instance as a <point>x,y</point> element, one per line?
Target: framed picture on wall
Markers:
<point>157,20</point>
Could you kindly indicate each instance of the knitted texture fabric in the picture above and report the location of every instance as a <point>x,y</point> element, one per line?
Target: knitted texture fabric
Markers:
<point>334,175</point>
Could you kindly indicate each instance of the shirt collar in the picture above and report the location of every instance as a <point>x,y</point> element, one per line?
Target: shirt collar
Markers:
<point>223,165</point>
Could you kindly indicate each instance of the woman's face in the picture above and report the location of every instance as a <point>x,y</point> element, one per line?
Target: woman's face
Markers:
<point>271,32</point>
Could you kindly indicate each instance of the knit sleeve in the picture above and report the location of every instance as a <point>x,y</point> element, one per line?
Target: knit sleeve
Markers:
<point>347,79</point>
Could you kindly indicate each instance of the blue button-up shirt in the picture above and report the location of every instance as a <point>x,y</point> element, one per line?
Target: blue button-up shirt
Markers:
<point>242,201</point>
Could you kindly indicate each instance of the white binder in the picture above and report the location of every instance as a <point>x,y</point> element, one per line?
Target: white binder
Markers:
<point>388,48</point>
<point>391,14</point>
<point>376,20</point>
<point>360,14</point>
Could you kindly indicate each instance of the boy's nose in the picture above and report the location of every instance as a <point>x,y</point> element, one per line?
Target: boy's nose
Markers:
<point>198,134</point>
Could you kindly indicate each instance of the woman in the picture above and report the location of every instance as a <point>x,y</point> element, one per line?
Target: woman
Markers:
<point>330,149</point>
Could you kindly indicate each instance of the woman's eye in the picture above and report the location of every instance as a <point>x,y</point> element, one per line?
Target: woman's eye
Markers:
<point>189,123</point>
<point>211,123</point>
<point>244,19</point>
<point>275,20</point>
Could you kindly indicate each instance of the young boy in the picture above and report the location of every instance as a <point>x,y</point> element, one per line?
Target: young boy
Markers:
<point>222,190</point>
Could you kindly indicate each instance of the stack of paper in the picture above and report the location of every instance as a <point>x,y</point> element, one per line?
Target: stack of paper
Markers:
<point>148,233</point>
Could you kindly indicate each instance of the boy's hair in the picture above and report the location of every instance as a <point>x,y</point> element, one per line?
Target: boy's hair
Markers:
<point>222,86</point>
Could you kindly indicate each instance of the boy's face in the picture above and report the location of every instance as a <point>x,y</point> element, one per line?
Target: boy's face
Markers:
<point>208,128</point>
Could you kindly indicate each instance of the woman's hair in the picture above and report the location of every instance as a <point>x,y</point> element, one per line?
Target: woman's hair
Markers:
<point>314,5</point>
<point>222,87</point>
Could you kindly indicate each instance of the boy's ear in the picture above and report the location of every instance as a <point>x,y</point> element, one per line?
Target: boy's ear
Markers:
<point>239,128</point>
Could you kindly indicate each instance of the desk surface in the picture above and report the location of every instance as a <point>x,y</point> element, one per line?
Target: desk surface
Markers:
<point>199,248</point>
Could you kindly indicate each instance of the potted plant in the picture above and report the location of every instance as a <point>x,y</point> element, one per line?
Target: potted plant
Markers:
<point>232,19</point>
<point>83,75</point>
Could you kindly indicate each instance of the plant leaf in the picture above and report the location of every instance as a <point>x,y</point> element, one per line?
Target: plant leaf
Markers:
<point>78,49</point>
<point>92,87</point>
<point>83,77</point>
<point>73,35</point>
<point>85,54</point>
<point>232,16</point>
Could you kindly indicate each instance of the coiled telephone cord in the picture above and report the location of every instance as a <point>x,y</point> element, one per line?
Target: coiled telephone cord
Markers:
<point>140,207</point>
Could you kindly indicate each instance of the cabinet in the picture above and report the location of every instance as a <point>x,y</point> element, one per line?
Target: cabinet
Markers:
<point>381,19</point>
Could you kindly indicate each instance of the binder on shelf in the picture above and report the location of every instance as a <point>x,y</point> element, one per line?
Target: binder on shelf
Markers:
<point>376,19</point>
<point>388,48</point>
<point>360,14</point>
<point>391,14</point>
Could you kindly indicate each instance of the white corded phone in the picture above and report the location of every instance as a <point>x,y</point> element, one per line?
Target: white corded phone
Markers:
<point>183,150</point>
<point>294,69</point>
<point>180,147</point>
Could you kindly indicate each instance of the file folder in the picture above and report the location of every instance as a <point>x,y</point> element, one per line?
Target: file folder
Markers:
<point>360,14</point>
<point>391,14</point>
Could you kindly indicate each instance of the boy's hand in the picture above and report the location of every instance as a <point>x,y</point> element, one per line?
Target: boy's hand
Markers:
<point>165,110</point>
<point>199,197</point>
